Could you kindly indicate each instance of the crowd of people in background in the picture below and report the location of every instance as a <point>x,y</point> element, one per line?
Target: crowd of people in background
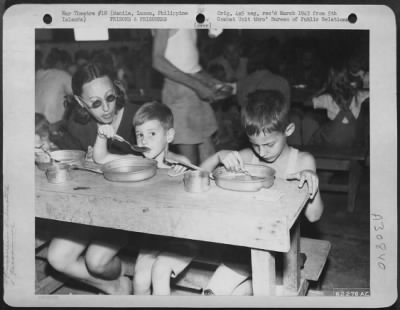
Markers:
<point>253,64</point>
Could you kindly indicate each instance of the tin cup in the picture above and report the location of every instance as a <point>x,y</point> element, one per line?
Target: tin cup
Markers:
<point>196,181</point>
<point>58,173</point>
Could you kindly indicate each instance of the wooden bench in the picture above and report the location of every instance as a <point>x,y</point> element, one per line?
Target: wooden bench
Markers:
<point>348,160</point>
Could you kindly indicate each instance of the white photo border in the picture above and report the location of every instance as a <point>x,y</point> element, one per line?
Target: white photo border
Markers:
<point>19,24</point>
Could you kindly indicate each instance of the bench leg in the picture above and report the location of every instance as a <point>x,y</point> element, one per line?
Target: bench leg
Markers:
<point>263,272</point>
<point>354,182</point>
<point>291,264</point>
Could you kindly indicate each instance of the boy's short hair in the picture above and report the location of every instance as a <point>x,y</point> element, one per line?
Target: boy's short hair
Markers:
<point>265,112</point>
<point>154,111</point>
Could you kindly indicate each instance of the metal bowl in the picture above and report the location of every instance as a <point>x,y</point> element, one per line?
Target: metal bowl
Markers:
<point>71,157</point>
<point>129,169</point>
<point>261,176</point>
<point>196,181</point>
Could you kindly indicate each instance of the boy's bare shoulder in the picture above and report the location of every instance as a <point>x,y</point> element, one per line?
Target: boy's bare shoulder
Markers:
<point>246,154</point>
<point>306,160</point>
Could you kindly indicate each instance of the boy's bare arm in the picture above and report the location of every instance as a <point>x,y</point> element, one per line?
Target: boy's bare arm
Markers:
<point>100,151</point>
<point>178,158</point>
<point>214,160</point>
<point>101,154</point>
<point>315,206</point>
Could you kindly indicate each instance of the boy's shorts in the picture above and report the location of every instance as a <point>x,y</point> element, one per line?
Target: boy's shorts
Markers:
<point>194,119</point>
<point>177,253</point>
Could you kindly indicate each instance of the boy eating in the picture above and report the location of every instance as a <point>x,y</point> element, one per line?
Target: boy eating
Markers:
<point>265,121</point>
<point>157,263</point>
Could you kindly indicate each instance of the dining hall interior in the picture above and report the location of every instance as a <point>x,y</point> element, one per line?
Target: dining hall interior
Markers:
<point>325,258</point>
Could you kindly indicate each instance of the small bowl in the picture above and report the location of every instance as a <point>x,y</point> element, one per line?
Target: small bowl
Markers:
<point>72,157</point>
<point>58,173</point>
<point>196,181</point>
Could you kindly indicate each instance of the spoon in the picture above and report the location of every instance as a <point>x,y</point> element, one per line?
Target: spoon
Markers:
<point>187,165</point>
<point>135,148</point>
<point>174,161</point>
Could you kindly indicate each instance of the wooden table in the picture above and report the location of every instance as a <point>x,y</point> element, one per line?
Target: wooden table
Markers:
<point>260,220</point>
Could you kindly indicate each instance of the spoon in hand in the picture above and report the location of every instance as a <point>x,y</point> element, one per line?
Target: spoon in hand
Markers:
<point>135,148</point>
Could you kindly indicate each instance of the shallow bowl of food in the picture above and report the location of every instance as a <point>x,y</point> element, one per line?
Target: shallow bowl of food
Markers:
<point>71,157</point>
<point>255,178</point>
<point>129,169</point>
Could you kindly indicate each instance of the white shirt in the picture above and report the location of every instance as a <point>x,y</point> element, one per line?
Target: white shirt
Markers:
<point>182,50</point>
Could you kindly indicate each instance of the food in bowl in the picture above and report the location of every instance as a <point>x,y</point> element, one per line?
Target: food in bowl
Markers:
<point>259,176</point>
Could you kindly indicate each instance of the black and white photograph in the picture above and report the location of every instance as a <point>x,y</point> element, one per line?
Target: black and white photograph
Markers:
<point>204,160</point>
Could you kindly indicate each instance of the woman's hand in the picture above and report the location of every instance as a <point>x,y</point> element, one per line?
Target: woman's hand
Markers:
<point>232,160</point>
<point>105,131</point>
<point>308,176</point>
<point>205,92</point>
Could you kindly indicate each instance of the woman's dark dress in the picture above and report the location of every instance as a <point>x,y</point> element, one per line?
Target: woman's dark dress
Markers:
<point>76,136</point>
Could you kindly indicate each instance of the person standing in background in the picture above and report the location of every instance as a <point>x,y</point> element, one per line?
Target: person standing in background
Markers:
<point>188,91</point>
<point>234,65</point>
<point>52,84</point>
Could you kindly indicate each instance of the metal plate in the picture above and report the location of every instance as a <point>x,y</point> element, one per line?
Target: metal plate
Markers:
<point>261,176</point>
<point>72,157</point>
<point>129,169</point>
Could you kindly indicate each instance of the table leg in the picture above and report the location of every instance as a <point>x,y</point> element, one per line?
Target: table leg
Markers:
<point>263,272</point>
<point>291,265</point>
